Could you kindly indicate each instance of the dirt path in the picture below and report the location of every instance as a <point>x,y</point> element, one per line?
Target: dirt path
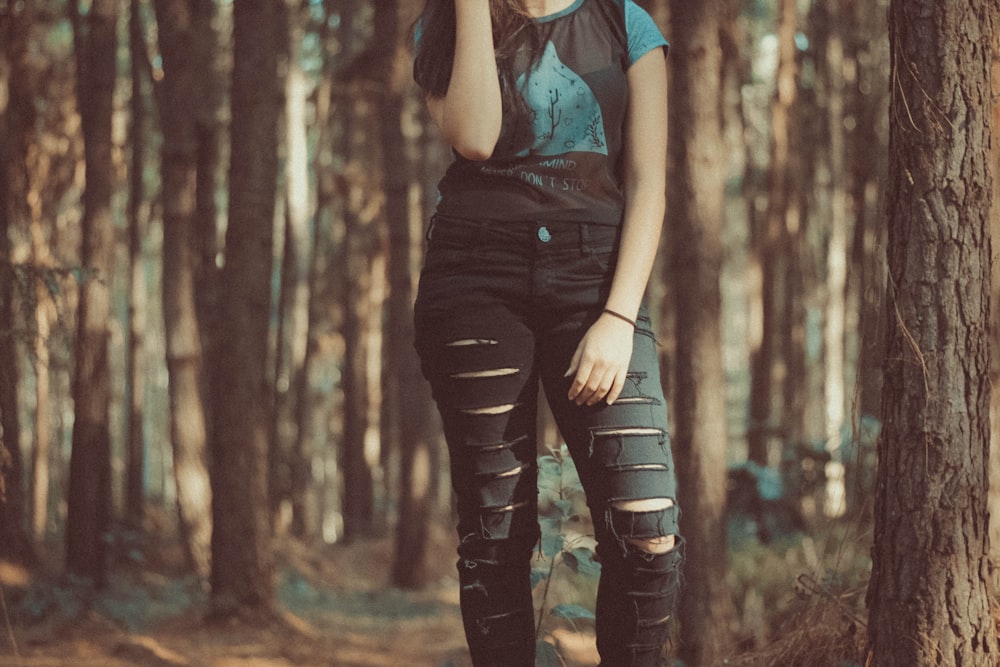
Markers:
<point>336,611</point>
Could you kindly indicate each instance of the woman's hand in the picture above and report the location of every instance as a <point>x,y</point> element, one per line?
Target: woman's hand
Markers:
<point>600,362</point>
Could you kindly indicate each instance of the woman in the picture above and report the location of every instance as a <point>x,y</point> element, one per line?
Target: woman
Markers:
<point>538,257</point>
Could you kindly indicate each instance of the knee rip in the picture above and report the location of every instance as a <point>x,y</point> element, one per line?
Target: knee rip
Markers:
<point>652,545</point>
<point>634,430</point>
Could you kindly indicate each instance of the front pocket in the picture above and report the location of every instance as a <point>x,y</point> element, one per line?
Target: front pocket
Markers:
<point>604,259</point>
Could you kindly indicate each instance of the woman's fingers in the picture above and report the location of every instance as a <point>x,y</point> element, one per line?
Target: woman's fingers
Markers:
<point>594,382</point>
<point>616,388</point>
<point>600,363</point>
<point>583,370</point>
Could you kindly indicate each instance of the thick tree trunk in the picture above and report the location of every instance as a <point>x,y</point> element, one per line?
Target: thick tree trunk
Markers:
<point>89,500</point>
<point>179,154</point>
<point>695,196</point>
<point>928,596</point>
<point>242,561</point>
<point>995,326</point>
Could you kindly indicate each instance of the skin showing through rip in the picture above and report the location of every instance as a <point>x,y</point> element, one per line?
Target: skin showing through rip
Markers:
<point>651,545</point>
<point>465,342</point>
<point>492,410</point>
<point>513,472</point>
<point>493,373</point>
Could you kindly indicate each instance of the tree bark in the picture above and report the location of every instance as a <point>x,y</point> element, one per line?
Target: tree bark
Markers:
<point>994,505</point>
<point>210,90</point>
<point>179,168</point>
<point>835,363</point>
<point>772,240</point>
<point>695,193</point>
<point>868,151</point>
<point>89,500</point>
<point>242,561</point>
<point>17,119</point>
<point>294,295</point>
<point>357,276</point>
<point>137,224</point>
<point>415,440</point>
<point>356,279</point>
<point>927,595</point>
<point>304,494</point>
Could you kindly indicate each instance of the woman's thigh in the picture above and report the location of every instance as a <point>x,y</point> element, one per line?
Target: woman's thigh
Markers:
<point>621,451</point>
<point>477,352</point>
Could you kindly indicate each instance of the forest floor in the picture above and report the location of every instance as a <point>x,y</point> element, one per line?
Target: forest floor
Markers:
<point>336,609</point>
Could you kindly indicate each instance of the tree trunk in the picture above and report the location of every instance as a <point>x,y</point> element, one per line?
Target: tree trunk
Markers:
<point>210,90</point>
<point>304,497</point>
<point>43,307</point>
<point>927,595</point>
<point>28,173</point>
<point>89,500</point>
<point>17,184</point>
<point>357,277</point>
<point>835,375</point>
<point>242,562</point>
<point>867,146</point>
<point>179,164</point>
<point>418,451</point>
<point>696,195</point>
<point>771,241</point>
<point>137,224</point>
<point>294,301</point>
<point>416,446</point>
<point>994,505</point>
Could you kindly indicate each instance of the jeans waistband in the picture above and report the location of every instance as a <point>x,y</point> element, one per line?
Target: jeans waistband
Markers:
<point>540,234</point>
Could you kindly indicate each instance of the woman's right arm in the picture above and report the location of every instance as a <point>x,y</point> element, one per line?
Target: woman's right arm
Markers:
<point>469,114</point>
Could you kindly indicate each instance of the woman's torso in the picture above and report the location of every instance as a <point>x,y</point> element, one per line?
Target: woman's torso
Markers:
<point>564,161</point>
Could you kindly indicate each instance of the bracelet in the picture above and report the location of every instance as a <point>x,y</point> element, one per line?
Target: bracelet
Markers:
<point>619,316</point>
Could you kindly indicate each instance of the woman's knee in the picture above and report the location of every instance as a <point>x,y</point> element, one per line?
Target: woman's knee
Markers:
<point>654,544</point>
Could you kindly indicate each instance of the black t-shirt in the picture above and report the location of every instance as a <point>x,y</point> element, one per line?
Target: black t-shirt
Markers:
<point>577,94</point>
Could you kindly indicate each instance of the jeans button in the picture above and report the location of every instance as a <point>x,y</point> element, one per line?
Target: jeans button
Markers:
<point>544,235</point>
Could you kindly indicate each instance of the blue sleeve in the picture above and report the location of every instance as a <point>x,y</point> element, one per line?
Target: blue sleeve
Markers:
<point>643,33</point>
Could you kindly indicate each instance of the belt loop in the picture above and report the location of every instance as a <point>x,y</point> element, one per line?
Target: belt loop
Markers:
<point>586,247</point>
<point>429,234</point>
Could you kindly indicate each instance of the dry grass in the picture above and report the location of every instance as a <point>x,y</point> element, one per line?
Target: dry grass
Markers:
<point>825,633</point>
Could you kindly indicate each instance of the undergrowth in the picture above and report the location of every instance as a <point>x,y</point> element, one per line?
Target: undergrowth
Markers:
<point>799,600</point>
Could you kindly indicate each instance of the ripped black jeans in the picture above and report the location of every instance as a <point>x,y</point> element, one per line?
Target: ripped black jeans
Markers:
<point>500,306</point>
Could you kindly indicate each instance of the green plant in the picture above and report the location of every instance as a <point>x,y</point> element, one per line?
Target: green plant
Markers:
<point>566,546</point>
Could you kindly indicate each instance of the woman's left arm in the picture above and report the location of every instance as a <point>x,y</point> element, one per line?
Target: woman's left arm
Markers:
<point>601,360</point>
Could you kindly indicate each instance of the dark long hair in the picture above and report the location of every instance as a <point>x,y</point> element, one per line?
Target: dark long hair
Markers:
<point>514,38</point>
